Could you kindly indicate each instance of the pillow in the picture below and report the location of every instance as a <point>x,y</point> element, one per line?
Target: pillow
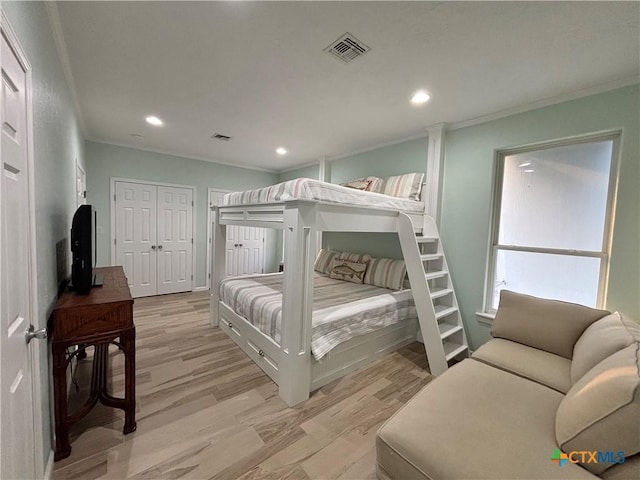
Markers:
<point>404,186</point>
<point>357,184</point>
<point>601,411</point>
<point>386,273</point>
<point>323,260</point>
<point>549,325</point>
<point>346,270</point>
<point>601,340</point>
<point>355,257</point>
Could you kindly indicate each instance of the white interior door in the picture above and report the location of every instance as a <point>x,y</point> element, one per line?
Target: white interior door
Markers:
<point>175,239</point>
<point>81,186</point>
<point>135,236</point>
<point>16,397</point>
<point>231,256</point>
<point>250,256</point>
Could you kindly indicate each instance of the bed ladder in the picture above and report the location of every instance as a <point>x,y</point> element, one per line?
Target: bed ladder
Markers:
<point>440,320</point>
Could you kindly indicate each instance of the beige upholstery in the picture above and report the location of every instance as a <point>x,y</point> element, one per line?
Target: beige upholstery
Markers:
<point>545,368</point>
<point>600,340</point>
<point>629,470</point>
<point>602,410</point>
<point>475,421</point>
<point>548,325</point>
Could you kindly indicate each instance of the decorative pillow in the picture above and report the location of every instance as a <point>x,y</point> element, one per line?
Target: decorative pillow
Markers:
<point>346,270</point>
<point>355,257</point>
<point>375,184</point>
<point>408,186</point>
<point>386,273</point>
<point>323,260</point>
<point>357,184</point>
<point>601,411</point>
<point>549,325</point>
<point>600,340</point>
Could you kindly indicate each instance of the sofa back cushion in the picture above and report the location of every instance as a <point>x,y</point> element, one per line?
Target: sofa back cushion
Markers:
<point>601,411</point>
<point>549,325</point>
<point>600,340</point>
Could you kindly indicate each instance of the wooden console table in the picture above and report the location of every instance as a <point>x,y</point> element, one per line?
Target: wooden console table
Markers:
<point>103,316</point>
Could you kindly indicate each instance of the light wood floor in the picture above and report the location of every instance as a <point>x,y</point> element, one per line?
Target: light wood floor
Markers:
<point>205,410</point>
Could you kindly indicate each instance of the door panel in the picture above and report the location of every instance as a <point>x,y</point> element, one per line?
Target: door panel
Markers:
<point>175,239</point>
<point>16,395</point>
<point>136,215</point>
<point>251,248</point>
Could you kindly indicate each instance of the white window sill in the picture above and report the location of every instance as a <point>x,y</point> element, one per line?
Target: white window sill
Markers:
<point>486,318</point>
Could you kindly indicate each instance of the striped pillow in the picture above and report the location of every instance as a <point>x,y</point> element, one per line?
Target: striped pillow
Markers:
<point>323,260</point>
<point>408,186</point>
<point>355,257</point>
<point>386,273</point>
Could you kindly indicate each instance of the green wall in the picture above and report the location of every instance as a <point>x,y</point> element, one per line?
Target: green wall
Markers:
<point>105,161</point>
<point>310,171</point>
<point>57,145</point>
<point>468,188</point>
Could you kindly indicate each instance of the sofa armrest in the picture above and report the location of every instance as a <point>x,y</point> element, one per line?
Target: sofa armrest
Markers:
<point>549,325</point>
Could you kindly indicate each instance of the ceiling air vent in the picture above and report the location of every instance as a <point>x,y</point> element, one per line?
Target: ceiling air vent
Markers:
<point>219,136</point>
<point>347,48</point>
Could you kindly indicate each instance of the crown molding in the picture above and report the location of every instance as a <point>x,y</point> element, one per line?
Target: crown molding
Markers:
<point>180,155</point>
<point>63,55</point>
<point>566,97</point>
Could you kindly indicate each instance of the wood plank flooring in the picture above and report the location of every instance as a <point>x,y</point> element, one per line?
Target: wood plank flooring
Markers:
<point>206,411</point>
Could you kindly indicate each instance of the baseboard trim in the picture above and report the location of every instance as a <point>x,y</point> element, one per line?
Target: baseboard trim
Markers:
<point>201,289</point>
<point>48,471</point>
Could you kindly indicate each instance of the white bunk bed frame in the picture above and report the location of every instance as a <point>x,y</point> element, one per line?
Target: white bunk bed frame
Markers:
<point>291,364</point>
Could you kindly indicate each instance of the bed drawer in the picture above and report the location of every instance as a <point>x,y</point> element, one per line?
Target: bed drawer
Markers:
<point>232,327</point>
<point>263,352</point>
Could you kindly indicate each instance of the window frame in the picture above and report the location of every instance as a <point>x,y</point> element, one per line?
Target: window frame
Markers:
<point>604,254</point>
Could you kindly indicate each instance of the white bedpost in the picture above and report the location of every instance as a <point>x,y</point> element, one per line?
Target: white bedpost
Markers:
<point>435,158</point>
<point>297,302</point>
<point>219,234</point>
<point>324,175</point>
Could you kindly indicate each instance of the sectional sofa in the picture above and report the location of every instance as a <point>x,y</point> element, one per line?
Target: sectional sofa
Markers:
<point>554,394</point>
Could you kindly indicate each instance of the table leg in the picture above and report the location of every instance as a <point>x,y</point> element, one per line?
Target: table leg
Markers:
<point>63,448</point>
<point>128,341</point>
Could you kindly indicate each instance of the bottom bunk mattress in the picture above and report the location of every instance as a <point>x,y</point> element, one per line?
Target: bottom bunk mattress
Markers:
<point>341,310</point>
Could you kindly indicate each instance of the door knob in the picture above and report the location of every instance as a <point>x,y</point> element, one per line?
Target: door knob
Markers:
<point>240,245</point>
<point>235,245</point>
<point>159,247</point>
<point>153,247</point>
<point>32,333</point>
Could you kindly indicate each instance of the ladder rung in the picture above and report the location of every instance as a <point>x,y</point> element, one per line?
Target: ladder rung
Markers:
<point>428,239</point>
<point>453,349</point>
<point>446,329</point>
<point>435,274</point>
<point>440,292</point>
<point>430,256</point>
<point>444,310</point>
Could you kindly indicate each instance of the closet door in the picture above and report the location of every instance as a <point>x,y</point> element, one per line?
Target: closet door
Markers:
<point>250,251</point>
<point>135,238</point>
<point>231,257</point>
<point>175,239</point>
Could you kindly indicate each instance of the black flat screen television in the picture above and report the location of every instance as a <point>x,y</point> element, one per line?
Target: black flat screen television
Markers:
<point>83,250</point>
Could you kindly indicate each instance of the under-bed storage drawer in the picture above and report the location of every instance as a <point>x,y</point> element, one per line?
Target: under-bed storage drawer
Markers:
<point>263,351</point>
<point>232,326</point>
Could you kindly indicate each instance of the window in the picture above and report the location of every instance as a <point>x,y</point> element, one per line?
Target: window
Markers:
<point>552,221</point>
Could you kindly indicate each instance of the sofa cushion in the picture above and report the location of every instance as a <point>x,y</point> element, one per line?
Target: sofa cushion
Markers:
<point>600,340</point>
<point>474,421</point>
<point>543,367</point>
<point>601,411</point>
<point>550,325</point>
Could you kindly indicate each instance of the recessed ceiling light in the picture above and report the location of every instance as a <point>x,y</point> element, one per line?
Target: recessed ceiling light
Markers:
<point>153,120</point>
<point>525,164</point>
<point>281,151</point>
<point>420,97</point>
<point>530,170</point>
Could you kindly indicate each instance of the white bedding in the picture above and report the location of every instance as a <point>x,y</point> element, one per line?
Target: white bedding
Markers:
<point>341,310</point>
<point>308,189</point>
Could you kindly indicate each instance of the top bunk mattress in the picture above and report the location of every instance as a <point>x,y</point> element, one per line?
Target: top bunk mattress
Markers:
<point>308,189</point>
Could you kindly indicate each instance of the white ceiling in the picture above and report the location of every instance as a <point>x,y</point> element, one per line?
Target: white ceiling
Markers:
<point>256,71</point>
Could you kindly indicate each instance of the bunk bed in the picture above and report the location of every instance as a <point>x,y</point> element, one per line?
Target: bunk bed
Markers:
<point>302,208</point>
